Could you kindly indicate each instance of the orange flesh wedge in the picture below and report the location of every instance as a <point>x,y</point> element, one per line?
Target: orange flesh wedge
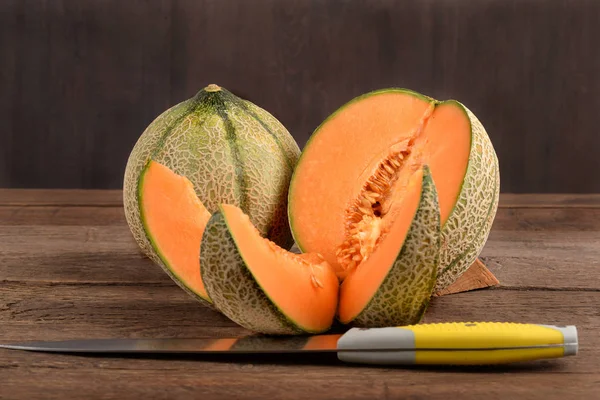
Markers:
<point>360,284</point>
<point>175,219</point>
<point>337,214</point>
<point>302,286</point>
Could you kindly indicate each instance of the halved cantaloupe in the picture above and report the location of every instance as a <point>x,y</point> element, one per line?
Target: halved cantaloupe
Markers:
<point>353,172</point>
<point>174,220</point>
<point>393,285</point>
<point>261,286</point>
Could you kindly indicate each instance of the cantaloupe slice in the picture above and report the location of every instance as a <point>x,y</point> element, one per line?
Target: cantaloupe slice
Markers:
<point>261,286</point>
<point>174,220</point>
<point>393,285</point>
<point>353,171</point>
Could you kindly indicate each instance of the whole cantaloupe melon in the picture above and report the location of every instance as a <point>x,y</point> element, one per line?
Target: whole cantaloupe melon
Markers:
<point>221,149</point>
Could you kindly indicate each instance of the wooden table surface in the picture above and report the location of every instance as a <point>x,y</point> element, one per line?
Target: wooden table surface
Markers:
<point>70,268</point>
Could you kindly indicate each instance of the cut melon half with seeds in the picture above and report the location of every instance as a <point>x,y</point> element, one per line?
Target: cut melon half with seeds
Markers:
<point>353,173</point>
<point>261,286</point>
<point>394,284</point>
<point>174,220</point>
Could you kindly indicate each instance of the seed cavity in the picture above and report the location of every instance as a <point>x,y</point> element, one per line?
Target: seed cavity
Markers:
<point>365,222</point>
<point>316,282</point>
<point>364,218</point>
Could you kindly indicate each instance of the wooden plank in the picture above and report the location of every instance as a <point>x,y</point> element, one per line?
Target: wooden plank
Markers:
<point>518,259</point>
<point>110,266</point>
<point>64,311</point>
<point>97,311</point>
<point>549,200</point>
<point>553,260</point>
<point>61,215</point>
<point>61,197</point>
<point>474,278</point>
<point>76,272</point>
<point>109,380</point>
<point>93,254</point>
<point>57,239</point>
<point>530,273</point>
<point>168,379</point>
<point>105,310</point>
<point>147,311</point>
<point>547,219</point>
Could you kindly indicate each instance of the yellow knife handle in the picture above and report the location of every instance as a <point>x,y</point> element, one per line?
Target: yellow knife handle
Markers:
<point>458,343</point>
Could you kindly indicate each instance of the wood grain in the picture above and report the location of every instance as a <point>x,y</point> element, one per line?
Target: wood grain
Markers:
<point>62,198</point>
<point>549,200</point>
<point>74,253</point>
<point>112,312</point>
<point>82,79</point>
<point>168,379</point>
<point>74,271</point>
<point>98,310</point>
<point>476,277</point>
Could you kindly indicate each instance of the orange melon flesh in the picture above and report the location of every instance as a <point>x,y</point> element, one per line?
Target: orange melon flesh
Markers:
<point>175,219</point>
<point>361,283</point>
<point>347,149</point>
<point>449,135</point>
<point>301,286</point>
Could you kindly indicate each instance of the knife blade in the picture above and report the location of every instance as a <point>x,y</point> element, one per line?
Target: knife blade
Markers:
<point>456,343</point>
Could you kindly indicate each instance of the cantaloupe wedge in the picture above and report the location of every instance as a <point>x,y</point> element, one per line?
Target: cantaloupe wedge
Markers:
<point>352,176</point>
<point>174,220</point>
<point>261,286</point>
<point>393,285</point>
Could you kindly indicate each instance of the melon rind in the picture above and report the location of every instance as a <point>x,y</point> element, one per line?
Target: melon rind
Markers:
<point>467,228</point>
<point>232,286</point>
<point>231,150</point>
<point>404,295</point>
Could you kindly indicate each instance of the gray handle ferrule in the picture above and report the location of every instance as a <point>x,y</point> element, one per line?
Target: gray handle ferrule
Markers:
<point>383,338</point>
<point>570,338</point>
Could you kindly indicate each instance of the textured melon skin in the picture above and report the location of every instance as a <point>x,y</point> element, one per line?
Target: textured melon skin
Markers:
<point>467,228</point>
<point>232,287</point>
<point>403,296</point>
<point>230,149</point>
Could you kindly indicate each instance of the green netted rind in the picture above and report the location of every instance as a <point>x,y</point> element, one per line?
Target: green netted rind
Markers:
<point>404,294</point>
<point>467,228</point>
<point>231,150</point>
<point>231,285</point>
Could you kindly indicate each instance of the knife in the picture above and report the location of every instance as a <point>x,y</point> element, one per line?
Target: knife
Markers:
<point>453,343</point>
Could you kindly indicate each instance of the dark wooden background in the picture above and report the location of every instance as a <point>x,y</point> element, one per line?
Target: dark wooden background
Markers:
<point>81,79</point>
